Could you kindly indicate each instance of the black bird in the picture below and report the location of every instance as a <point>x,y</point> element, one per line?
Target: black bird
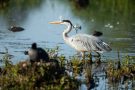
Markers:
<point>15,29</point>
<point>82,3</point>
<point>37,54</point>
<point>97,33</point>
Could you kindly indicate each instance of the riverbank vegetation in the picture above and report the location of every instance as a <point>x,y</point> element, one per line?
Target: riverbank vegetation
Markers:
<point>50,76</point>
<point>38,75</point>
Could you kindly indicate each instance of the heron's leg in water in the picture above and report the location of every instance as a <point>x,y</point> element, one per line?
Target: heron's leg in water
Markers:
<point>98,55</point>
<point>90,58</point>
<point>83,55</point>
<point>79,55</point>
<point>98,58</point>
<point>83,58</point>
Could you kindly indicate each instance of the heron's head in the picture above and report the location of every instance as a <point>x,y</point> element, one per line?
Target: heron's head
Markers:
<point>65,22</point>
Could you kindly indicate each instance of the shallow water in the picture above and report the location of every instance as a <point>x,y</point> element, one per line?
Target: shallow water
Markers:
<point>116,22</point>
<point>100,80</point>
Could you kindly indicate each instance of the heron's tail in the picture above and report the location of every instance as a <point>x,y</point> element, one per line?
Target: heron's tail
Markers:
<point>103,47</point>
<point>106,47</point>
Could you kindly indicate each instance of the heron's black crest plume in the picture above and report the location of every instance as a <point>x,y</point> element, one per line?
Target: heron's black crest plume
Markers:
<point>67,21</point>
<point>97,33</point>
<point>34,46</point>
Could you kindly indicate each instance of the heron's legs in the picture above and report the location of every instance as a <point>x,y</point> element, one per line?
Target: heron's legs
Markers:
<point>90,58</point>
<point>79,55</point>
<point>98,58</point>
<point>98,55</point>
<point>83,55</point>
<point>83,58</point>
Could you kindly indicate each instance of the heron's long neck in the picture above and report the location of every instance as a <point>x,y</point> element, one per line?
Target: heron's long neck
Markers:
<point>66,31</point>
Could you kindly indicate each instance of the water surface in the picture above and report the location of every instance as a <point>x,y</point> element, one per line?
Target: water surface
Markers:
<point>114,18</point>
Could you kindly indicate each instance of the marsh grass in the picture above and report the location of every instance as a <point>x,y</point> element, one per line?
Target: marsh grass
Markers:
<point>48,76</point>
<point>39,75</point>
<point>120,71</point>
<point>126,70</point>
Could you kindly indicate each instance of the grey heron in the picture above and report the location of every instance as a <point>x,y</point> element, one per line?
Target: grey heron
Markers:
<point>83,42</point>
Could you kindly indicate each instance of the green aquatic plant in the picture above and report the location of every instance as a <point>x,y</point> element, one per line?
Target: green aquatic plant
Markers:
<point>28,76</point>
<point>126,71</point>
<point>34,76</point>
<point>6,60</point>
<point>39,75</point>
<point>53,52</point>
<point>76,64</point>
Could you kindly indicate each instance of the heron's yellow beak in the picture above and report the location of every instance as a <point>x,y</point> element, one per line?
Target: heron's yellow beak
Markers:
<point>55,22</point>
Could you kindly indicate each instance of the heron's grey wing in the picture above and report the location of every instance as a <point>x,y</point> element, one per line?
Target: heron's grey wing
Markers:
<point>84,42</point>
<point>81,43</point>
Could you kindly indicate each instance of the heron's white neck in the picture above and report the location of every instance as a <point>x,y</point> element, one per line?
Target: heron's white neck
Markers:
<point>67,30</point>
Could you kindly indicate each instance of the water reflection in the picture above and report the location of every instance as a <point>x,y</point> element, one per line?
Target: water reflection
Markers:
<point>114,18</point>
<point>95,77</point>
